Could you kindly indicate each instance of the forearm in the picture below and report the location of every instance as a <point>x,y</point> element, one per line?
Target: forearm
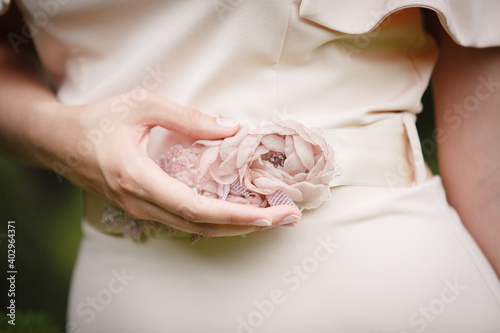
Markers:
<point>466,87</point>
<point>24,102</point>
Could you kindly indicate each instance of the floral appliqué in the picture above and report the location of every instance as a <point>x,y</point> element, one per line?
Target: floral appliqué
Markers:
<point>275,163</point>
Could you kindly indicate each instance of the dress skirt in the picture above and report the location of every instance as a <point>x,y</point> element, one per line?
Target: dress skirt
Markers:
<point>371,259</point>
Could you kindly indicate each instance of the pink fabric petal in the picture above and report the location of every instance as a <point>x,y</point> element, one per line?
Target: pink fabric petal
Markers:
<point>208,157</point>
<point>267,186</point>
<point>289,146</point>
<point>293,164</point>
<point>230,145</point>
<point>246,150</point>
<point>310,191</point>
<point>274,142</point>
<point>250,157</point>
<point>259,151</point>
<point>304,151</point>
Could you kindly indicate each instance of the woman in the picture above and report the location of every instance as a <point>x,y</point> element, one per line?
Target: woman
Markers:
<point>385,253</point>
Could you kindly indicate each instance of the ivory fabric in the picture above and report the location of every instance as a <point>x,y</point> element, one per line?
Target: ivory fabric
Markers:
<point>469,23</point>
<point>371,259</point>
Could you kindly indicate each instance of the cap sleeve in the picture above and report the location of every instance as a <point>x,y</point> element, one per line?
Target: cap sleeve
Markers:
<point>4,5</point>
<point>470,23</point>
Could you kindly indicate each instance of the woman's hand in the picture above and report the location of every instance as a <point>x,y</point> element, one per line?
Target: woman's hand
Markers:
<point>102,147</point>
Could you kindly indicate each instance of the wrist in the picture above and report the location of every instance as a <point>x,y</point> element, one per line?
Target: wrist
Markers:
<point>48,134</point>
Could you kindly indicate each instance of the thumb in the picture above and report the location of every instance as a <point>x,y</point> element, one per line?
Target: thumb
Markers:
<point>188,121</point>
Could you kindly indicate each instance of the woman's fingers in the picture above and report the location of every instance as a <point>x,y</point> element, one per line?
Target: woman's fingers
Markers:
<point>201,215</point>
<point>127,176</point>
<point>179,199</point>
<point>159,214</point>
<point>193,123</point>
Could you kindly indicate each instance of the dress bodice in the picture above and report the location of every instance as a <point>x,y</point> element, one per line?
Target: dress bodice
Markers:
<point>243,59</point>
<point>324,63</point>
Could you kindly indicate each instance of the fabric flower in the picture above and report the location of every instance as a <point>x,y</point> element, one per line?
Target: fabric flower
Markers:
<point>275,163</point>
<point>275,156</point>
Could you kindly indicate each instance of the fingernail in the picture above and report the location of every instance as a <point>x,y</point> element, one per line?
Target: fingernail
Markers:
<point>226,122</point>
<point>290,219</point>
<point>261,223</point>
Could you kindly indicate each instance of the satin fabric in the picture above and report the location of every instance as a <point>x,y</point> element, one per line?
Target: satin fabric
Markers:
<point>372,259</point>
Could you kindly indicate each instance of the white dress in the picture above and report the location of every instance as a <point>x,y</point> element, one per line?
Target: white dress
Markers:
<point>385,254</point>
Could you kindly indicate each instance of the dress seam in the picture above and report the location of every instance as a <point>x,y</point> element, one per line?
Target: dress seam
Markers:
<point>278,60</point>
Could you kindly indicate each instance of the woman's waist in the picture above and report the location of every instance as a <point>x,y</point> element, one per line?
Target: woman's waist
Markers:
<point>384,154</point>
<point>380,152</point>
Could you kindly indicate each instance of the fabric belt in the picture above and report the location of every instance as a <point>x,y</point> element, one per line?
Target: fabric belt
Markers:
<point>378,157</point>
<point>385,157</point>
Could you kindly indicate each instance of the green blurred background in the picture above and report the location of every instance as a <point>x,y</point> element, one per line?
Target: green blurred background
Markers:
<point>47,211</point>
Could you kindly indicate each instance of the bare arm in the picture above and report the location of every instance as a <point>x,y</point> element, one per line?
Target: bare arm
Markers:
<point>466,86</point>
<point>20,86</point>
<point>37,129</point>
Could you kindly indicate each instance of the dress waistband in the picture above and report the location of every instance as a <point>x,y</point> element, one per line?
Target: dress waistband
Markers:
<point>378,157</point>
<point>385,157</point>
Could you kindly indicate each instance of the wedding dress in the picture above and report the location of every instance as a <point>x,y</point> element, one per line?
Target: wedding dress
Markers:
<point>386,253</point>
